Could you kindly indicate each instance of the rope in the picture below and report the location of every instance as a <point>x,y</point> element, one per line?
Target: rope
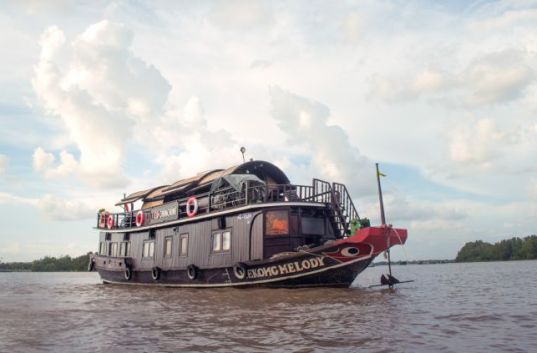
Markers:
<point>402,244</point>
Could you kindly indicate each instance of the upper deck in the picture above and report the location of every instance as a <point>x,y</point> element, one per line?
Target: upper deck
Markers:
<point>192,199</point>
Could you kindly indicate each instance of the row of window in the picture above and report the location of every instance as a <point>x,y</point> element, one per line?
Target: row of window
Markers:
<point>116,249</point>
<point>277,223</point>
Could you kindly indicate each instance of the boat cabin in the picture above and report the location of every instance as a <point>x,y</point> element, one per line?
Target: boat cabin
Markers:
<point>246,213</point>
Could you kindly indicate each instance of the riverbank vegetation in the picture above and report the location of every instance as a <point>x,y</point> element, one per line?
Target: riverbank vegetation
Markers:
<point>49,264</point>
<point>505,250</point>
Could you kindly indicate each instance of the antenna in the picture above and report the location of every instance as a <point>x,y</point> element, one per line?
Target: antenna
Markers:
<point>243,149</point>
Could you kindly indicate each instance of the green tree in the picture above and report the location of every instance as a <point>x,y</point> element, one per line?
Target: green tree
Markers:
<point>508,249</point>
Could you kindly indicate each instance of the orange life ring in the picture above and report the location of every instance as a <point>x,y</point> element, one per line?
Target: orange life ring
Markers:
<point>191,202</point>
<point>139,218</point>
<point>110,222</point>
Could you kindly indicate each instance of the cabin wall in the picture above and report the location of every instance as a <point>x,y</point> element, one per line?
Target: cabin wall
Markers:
<point>200,243</point>
<point>137,243</point>
<point>200,235</point>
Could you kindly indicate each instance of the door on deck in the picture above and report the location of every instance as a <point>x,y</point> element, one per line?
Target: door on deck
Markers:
<point>280,232</point>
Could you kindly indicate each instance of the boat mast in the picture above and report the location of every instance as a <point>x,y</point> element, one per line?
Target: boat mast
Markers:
<point>383,219</point>
<point>382,216</point>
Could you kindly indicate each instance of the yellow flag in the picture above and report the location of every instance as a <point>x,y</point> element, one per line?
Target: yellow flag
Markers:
<point>381,174</point>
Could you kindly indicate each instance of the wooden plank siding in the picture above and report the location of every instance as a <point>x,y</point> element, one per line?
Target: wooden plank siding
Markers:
<point>244,246</point>
<point>199,250</point>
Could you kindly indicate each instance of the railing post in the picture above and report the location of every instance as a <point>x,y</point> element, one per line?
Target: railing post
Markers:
<point>246,191</point>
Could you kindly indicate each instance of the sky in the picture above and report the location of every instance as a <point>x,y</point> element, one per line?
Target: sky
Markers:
<point>102,98</point>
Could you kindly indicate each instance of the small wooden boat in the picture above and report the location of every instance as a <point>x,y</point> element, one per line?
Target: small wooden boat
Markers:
<point>243,226</point>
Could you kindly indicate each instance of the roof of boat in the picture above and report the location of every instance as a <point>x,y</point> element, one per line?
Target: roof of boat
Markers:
<point>264,170</point>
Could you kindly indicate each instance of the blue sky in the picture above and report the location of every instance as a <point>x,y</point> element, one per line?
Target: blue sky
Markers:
<point>106,98</point>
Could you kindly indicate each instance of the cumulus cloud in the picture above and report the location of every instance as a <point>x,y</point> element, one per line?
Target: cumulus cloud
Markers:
<point>100,91</point>
<point>330,151</point>
<point>482,144</point>
<point>43,162</point>
<point>52,207</point>
<point>424,83</point>
<point>241,14</point>
<point>496,77</point>
<point>58,209</point>
<point>185,145</point>
<point>9,198</point>
<point>490,78</point>
<point>3,163</point>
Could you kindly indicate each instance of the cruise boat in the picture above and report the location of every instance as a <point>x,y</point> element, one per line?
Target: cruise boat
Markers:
<point>242,226</point>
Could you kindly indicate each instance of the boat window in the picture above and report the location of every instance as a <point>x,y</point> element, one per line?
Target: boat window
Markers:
<point>113,249</point>
<point>123,248</point>
<point>226,241</point>
<point>148,248</point>
<point>183,251</point>
<point>222,241</point>
<point>217,242</point>
<point>102,248</point>
<point>312,225</point>
<point>168,247</point>
<point>276,223</point>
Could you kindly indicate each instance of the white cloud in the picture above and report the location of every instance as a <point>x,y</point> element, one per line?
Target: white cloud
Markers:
<point>9,198</point>
<point>241,14</point>
<point>490,78</point>
<point>58,209</point>
<point>3,163</point>
<point>55,208</point>
<point>497,77</point>
<point>485,144</point>
<point>184,145</point>
<point>100,91</point>
<point>331,154</point>
<point>43,162</point>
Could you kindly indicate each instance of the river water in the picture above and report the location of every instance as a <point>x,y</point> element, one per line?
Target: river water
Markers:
<point>481,307</point>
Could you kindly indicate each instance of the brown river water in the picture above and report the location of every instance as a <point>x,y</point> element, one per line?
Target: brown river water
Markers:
<point>481,307</point>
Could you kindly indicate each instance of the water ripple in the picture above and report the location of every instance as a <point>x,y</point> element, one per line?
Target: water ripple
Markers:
<point>451,308</point>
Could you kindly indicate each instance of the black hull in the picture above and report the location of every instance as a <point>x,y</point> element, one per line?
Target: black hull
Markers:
<point>339,275</point>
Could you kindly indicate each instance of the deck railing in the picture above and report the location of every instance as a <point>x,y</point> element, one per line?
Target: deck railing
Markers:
<point>335,195</point>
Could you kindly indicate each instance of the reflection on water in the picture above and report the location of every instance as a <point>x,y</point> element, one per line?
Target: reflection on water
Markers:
<point>450,308</point>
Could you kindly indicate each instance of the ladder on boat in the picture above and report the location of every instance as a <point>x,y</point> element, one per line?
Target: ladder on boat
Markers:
<point>342,210</point>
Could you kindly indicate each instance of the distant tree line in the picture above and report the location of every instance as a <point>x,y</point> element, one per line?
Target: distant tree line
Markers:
<point>508,249</point>
<point>50,264</point>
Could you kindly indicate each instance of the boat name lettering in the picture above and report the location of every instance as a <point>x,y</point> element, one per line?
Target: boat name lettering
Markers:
<point>163,213</point>
<point>244,216</point>
<point>288,268</point>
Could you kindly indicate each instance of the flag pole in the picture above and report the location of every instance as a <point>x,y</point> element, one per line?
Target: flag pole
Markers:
<point>382,216</point>
<point>383,220</point>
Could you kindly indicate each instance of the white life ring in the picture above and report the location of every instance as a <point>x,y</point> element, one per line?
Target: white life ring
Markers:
<point>110,222</point>
<point>139,218</point>
<point>191,207</point>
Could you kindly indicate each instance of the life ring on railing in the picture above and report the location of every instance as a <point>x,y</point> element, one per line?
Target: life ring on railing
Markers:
<point>110,222</point>
<point>139,218</point>
<point>128,273</point>
<point>239,270</point>
<point>191,202</point>
<point>192,272</point>
<point>155,273</point>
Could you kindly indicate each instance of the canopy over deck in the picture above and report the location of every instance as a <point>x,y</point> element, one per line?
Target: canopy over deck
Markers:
<point>138,195</point>
<point>265,171</point>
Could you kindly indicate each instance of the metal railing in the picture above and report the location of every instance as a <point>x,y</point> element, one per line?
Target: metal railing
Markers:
<point>335,195</point>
